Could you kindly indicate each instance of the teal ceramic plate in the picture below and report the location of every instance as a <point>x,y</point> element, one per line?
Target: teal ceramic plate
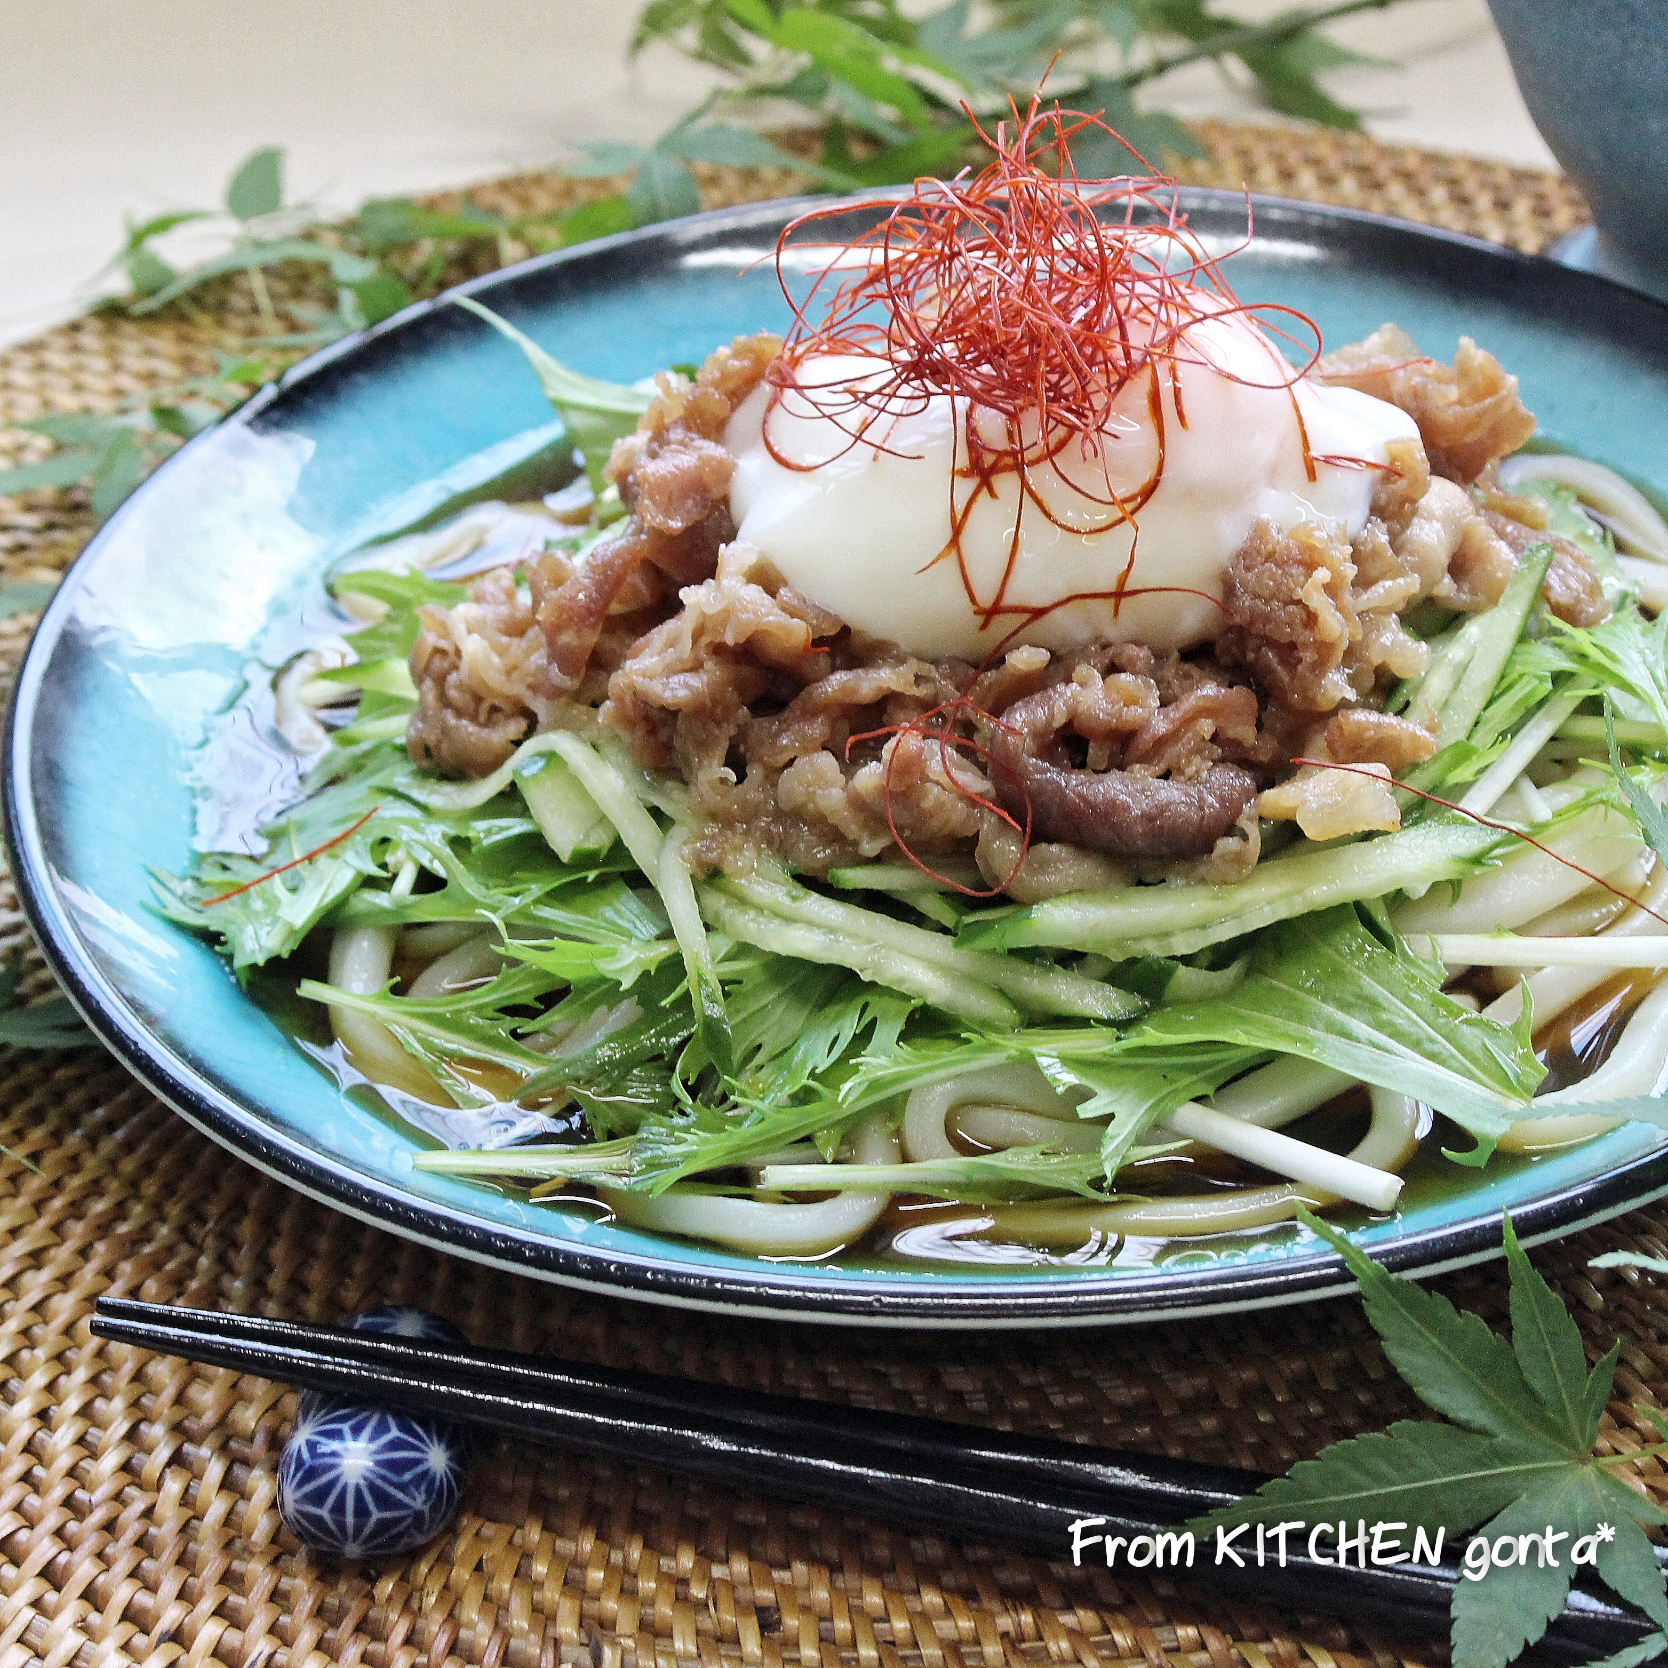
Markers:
<point>209,574</point>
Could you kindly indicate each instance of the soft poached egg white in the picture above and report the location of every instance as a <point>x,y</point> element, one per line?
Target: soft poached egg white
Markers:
<point>864,529</point>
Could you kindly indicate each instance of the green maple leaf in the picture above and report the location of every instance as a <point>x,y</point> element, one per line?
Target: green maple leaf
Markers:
<point>1516,1460</point>
<point>1417,1471</point>
<point>1497,1618</point>
<point>1652,1646</point>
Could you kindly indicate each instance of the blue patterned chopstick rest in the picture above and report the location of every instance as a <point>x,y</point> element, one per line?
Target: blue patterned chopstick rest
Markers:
<point>365,1482</point>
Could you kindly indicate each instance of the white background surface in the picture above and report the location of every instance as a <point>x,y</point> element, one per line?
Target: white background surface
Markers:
<point>135,106</point>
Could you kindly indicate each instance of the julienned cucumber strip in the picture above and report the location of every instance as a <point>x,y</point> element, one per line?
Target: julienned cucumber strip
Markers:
<point>676,886</point>
<point>662,864</point>
<point>1467,665</point>
<point>388,676</point>
<point>1425,699</point>
<point>881,964</point>
<point>451,798</point>
<point>1494,636</point>
<point>568,817</point>
<point>1038,990</point>
<point>1177,920</point>
<point>1499,630</point>
<point>613,797</point>
<point>902,880</point>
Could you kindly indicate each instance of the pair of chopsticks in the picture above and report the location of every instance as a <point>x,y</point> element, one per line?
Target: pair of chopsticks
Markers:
<point>961,1481</point>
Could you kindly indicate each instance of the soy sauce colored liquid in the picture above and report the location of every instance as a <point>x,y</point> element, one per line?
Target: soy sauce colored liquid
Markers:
<point>1580,1039</point>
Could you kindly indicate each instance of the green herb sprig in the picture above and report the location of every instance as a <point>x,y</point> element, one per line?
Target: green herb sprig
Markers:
<point>846,93</point>
<point>885,92</point>
<point>53,1023</point>
<point>111,452</point>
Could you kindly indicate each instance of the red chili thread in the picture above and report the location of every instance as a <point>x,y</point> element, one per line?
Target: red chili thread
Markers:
<point>1342,460</point>
<point>1489,822</point>
<point>1038,299</point>
<point>961,708</point>
<point>294,862</point>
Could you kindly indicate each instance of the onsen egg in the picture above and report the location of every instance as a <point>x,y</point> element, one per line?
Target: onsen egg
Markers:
<point>863,525</point>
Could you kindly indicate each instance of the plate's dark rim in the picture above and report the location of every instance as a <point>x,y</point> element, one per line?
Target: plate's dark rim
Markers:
<point>774,1290</point>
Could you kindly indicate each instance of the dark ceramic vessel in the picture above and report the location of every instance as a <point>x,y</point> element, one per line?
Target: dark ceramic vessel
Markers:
<point>1594,74</point>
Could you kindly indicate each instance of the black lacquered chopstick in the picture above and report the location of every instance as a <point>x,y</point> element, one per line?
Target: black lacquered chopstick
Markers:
<point>961,1481</point>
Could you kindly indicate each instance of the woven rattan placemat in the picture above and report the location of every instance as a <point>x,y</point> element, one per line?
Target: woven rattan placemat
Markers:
<point>137,1494</point>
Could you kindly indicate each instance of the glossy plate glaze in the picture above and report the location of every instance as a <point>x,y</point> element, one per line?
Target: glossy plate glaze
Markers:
<point>205,574</point>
